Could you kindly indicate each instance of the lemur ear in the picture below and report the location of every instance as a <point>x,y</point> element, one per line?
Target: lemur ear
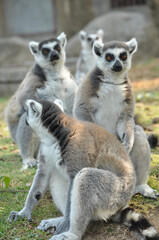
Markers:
<point>34,106</point>
<point>100,33</point>
<point>132,45</point>
<point>33,47</point>
<point>98,48</point>
<point>59,103</point>
<point>62,39</point>
<point>82,35</point>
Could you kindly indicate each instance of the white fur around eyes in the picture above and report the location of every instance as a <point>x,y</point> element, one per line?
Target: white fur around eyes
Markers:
<point>50,45</point>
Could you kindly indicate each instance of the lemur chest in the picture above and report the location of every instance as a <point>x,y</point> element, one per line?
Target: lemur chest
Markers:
<point>109,106</point>
<point>54,88</point>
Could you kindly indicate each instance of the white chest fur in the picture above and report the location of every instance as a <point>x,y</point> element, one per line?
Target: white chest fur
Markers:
<point>109,106</point>
<point>59,85</point>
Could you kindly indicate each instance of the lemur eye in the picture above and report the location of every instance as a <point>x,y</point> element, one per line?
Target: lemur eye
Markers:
<point>45,51</point>
<point>57,47</point>
<point>89,39</point>
<point>109,57</point>
<point>123,56</point>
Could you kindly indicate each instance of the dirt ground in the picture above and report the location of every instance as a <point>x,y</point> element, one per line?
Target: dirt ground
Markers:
<point>113,231</point>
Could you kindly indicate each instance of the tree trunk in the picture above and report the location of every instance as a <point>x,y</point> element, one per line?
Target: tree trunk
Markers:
<point>154,6</point>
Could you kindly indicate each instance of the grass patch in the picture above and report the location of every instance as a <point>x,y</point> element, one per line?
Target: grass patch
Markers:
<point>14,197</point>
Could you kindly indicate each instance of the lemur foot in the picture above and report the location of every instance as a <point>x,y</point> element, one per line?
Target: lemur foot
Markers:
<point>65,236</point>
<point>62,227</point>
<point>15,215</point>
<point>50,223</point>
<point>29,162</point>
<point>146,191</point>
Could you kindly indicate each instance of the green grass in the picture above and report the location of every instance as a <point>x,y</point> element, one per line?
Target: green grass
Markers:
<point>147,109</point>
<point>14,197</point>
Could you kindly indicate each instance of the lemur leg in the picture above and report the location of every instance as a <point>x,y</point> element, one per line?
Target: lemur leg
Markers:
<point>141,158</point>
<point>95,194</point>
<point>37,190</point>
<point>61,223</point>
<point>28,142</point>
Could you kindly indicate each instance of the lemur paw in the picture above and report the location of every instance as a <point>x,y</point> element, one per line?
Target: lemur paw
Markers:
<point>154,194</point>
<point>62,227</point>
<point>29,162</point>
<point>50,223</point>
<point>65,236</point>
<point>146,191</point>
<point>14,215</point>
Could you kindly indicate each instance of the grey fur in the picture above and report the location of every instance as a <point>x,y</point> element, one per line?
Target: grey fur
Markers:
<point>106,98</point>
<point>87,169</point>
<point>48,79</point>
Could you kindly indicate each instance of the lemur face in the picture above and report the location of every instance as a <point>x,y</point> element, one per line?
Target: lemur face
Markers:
<point>49,52</point>
<point>87,40</point>
<point>115,57</point>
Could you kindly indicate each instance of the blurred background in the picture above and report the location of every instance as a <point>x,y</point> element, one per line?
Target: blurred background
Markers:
<point>24,20</point>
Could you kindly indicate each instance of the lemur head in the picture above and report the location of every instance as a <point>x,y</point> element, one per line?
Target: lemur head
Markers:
<point>114,58</point>
<point>87,40</point>
<point>49,52</point>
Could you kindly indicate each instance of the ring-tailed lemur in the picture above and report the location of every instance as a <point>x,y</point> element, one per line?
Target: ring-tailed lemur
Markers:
<point>48,79</point>
<point>87,60</point>
<point>88,171</point>
<point>106,98</point>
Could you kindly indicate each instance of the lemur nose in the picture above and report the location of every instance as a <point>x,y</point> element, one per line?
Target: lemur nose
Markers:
<point>54,56</point>
<point>117,67</point>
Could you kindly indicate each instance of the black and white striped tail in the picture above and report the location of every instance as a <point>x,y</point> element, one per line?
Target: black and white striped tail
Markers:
<point>138,223</point>
<point>153,140</point>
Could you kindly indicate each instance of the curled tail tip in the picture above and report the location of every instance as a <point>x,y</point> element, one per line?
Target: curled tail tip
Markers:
<point>139,224</point>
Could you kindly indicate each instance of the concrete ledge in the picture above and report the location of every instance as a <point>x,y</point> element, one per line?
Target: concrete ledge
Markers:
<point>12,74</point>
<point>11,77</point>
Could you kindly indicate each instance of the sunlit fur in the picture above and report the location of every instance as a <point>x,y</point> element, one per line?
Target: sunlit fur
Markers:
<point>106,98</point>
<point>48,79</point>
<point>89,174</point>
